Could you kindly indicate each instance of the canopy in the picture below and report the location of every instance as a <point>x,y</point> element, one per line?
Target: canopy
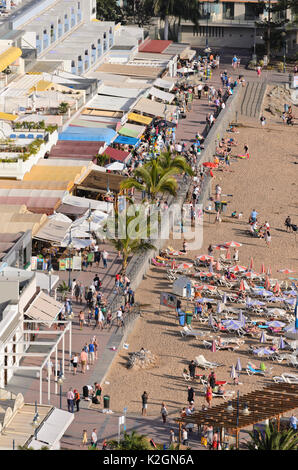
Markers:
<point>161,95</point>
<point>165,84</point>
<point>123,139</point>
<point>82,134</point>
<point>44,309</point>
<point>88,203</point>
<point>111,103</point>
<point>8,117</point>
<point>144,105</point>
<point>55,173</point>
<point>132,130</point>
<point>139,118</point>
<point>52,429</point>
<point>53,230</point>
<point>9,56</point>
<point>115,166</point>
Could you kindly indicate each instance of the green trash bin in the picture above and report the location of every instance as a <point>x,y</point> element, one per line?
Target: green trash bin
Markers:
<point>106,402</point>
<point>189,315</point>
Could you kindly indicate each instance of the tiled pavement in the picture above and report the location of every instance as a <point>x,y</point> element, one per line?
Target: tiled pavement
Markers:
<point>107,425</point>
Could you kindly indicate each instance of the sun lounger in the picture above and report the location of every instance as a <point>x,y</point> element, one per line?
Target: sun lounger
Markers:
<point>286,378</point>
<point>253,371</point>
<point>186,331</point>
<point>228,394</point>
<point>200,361</point>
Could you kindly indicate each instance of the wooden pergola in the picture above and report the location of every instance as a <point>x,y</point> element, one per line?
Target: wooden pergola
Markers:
<point>270,402</point>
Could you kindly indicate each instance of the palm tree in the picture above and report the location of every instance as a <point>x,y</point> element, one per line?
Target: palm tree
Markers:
<point>152,179</point>
<point>181,9</point>
<point>131,237</point>
<point>273,439</point>
<point>132,441</point>
<point>167,162</point>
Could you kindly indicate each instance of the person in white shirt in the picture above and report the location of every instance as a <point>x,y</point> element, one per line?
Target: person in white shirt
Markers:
<point>184,437</point>
<point>119,317</point>
<point>105,258</point>
<point>94,438</point>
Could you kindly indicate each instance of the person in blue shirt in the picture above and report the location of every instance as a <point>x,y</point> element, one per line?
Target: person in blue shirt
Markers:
<point>91,352</point>
<point>293,422</point>
<point>253,215</point>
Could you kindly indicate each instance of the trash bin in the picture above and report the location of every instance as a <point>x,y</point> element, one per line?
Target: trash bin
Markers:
<point>224,206</point>
<point>189,317</point>
<point>181,316</point>
<point>106,401</point>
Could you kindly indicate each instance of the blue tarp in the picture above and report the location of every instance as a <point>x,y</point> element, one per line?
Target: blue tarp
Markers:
<point>123,139</point>
<point>89,134</point>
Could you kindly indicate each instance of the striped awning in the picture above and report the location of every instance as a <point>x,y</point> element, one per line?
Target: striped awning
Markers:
<point>9,56</point>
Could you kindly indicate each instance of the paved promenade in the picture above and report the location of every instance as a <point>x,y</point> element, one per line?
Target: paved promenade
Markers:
<point>107,425</point>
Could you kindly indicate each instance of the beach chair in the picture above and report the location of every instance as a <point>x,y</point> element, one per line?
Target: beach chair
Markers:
<point>186,331</point>
<point>157,263</point>
<point>251,370</point>
<point>207,344</point>
<point>226,396</point>
<point>286,378</point>
<point>200,361</point>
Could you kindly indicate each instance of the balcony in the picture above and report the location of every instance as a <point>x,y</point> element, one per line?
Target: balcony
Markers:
<point>219,21</point>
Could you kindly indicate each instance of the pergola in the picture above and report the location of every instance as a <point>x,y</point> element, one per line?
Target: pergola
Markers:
<point>51,345</point>
<point>270,402</point>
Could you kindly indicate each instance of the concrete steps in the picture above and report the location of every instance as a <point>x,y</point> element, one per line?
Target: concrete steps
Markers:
<point>252,99</point>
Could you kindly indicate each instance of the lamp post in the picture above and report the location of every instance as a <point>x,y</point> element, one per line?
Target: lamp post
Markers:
<point>284,43</point>
<point>69,260</point>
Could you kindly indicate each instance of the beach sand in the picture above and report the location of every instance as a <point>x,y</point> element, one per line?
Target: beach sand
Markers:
<point>266,182</point>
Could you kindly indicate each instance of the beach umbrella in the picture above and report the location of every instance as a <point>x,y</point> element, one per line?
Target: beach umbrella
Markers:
<point>276,324</point>
<point>238,269</point>
<point>210,267</point>
<point>262,269</point>
<point>210,320</point>
<point>281,344</point>
<point>233,373</point>
<point>291,293</point>
<point>242,287</point>
<point>256,303</point>
<point>232,324</point>
<point>267,283</point>
<point>275,299</point>
<point>289,301</point>
<point>263,351</point>
<point>238,367</point>
<point>213,347</point>
<point>240,316</point>
<point>203,274</point>
<point>276,289</point>
<point>250,275</point>
<point>228,254</point>
<point>251,264</point>
<point>285,271</point>
<point>232,244</point>
<point>263,337</point>
<point>210,165</point>
<point>205,258</point>
<point>276,311</point>
<point>217,266</point>
<point>173,264</point>
<point>264,293</point>
<point>224,298</point>
<point>269,272</point>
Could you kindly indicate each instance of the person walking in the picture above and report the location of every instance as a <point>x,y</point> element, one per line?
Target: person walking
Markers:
<point>75,361</point>
<point>105,258</point>
<point>94,438</point>
<point>190,395</point>
<point>192,370</point>
<point>77,399</point>
<point>212,380</point>
<point>91,352</point>
<point>208,395</point>
<point>267,237</point>
<point>172,438</point>
<point>70,400</point>
<point>184,437</point>
<point>164,413</point>
<point>81,319</point>
<point>84,360</point>
<point>84,438</point>
<point>144,403</point>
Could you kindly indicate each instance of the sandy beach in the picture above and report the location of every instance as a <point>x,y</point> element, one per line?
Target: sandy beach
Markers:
<point>267,182</point>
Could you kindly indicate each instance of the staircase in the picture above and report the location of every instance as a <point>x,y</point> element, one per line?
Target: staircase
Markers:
<point>252,99</point>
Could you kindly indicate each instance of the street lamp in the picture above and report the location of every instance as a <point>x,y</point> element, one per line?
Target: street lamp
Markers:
<point>69,260</point>
<point>284,43</point>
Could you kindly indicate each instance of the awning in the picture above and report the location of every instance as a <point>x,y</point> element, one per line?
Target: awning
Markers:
<point>139,118</point>
<point>115,154</point>
<point>123,139</point>
<point>88,203</point>
<point>101,182</point>
<point>44,309</point>
<point>52,429</point>
<point>116,166</point>
<point>132,130</point>
<point>144,105</point>
<point>161,95</point>
<point>53,230</point>
<point>9,56</point>
<point>8,117</point>
<point>42,85</point>
<point>165,84</point>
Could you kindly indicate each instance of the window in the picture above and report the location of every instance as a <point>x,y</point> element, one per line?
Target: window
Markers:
<point>251,11</point>
<point>228,10</point>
